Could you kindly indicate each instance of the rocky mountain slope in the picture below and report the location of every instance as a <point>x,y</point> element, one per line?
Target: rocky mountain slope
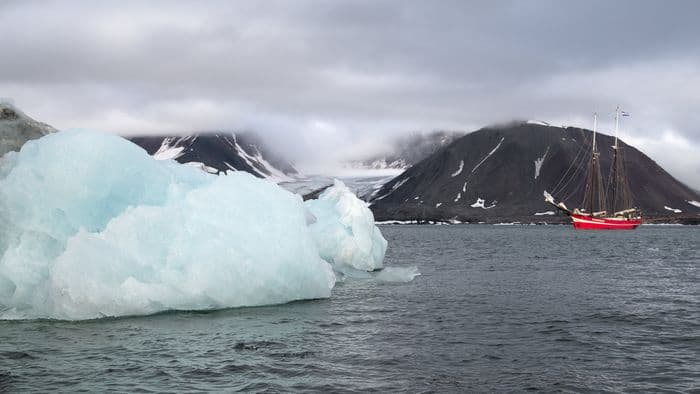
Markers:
<point>407,151</point>
<point>16,128</point>
<point>498,174</point>
<point>221,152</point>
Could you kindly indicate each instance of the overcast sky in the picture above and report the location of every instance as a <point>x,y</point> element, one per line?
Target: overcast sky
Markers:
<point>320,76</point>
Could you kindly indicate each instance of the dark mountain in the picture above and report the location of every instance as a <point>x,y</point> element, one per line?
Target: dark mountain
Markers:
<point>498,174</point>
<point>408,150</point>
<point>220,153</point>
<point>16,128</point>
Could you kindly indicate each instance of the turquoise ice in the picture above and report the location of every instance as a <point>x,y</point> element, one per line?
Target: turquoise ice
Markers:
<point>91,226</point>
<point>344,230</point>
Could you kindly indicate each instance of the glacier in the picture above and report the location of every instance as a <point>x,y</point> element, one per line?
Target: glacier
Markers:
<point>91,226</point>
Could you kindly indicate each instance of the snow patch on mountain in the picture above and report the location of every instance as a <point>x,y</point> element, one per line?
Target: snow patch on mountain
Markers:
<point>695,203</point>
<point>219,153</point>
<point>488,155</point>
<point>399,184</point>
<point>674,210</point>
<point>393,188</point>
<point>459,170</point>
<point>539,161</point>
<point>170,149</point>
<point>480,203</point>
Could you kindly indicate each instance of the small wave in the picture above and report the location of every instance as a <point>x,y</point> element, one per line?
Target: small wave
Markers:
<point>16,355</point>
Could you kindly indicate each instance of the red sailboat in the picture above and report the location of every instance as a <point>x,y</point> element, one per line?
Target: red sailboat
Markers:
<point>598,198</point>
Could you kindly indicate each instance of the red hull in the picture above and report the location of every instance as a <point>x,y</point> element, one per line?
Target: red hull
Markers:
<point>585,222</point>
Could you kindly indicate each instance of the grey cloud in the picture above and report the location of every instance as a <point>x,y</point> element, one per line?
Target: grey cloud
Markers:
<point>323,76</point>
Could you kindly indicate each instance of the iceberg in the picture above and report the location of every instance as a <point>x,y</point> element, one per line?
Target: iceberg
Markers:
<point>91,226</point>
<point>344,230</point>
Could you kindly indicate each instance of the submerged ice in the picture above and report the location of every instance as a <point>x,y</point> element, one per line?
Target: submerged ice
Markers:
<point>91,226</point>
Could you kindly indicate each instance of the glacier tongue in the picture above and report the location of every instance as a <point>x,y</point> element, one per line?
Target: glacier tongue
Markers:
<point>344,230</point>
<point>91,226</point>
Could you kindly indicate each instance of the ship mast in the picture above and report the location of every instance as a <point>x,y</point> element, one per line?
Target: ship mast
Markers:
<point>594,185</point>
<point>619,192</point>
<point>614,177</point>
<point>617,124</point>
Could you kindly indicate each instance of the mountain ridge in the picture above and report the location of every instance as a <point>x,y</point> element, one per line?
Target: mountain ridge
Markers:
<point>498,173</point>
<point>16,128</point>
<point>221,152</point>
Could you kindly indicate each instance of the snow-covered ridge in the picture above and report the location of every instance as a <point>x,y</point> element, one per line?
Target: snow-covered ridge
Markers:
<point>538,122</point>
<point>261,166</point>
<point>171,148</point>
<point>381,164</point>
<point>219,153</point>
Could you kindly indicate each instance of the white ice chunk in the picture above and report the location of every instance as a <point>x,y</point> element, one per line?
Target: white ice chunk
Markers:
<point>397,274</point>
<point>438,205</point>
<point>345,232</point>
<point>459,195</point>
<point>545,213</point>
<point>92,226</point>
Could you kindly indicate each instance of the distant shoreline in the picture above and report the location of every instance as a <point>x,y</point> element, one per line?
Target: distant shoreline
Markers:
<point>516,223</point>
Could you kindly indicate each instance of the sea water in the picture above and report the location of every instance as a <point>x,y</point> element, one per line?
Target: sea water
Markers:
<point>495,309</point>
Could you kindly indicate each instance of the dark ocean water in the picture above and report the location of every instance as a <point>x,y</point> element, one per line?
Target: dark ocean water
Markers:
<point>495,309</point>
